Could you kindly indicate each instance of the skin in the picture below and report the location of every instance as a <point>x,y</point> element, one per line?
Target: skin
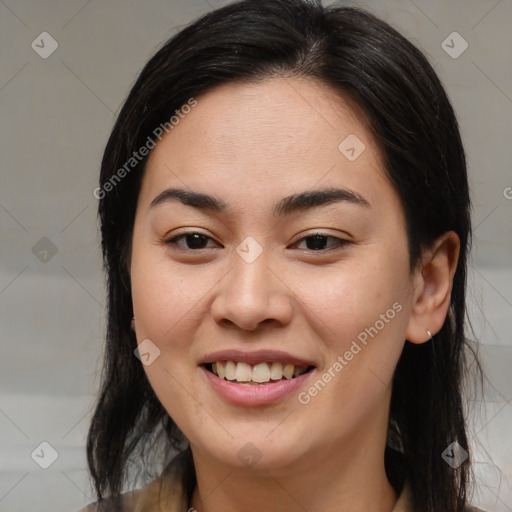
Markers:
<point>250,145</point>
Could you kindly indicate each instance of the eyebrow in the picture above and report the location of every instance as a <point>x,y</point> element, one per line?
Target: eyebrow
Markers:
<point>286,206</point>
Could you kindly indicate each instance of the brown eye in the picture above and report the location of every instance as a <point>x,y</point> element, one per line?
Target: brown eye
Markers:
<point>192,239</point>
<point>318,241</point>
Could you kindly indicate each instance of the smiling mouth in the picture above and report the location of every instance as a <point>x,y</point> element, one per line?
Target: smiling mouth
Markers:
<point>258,374</point>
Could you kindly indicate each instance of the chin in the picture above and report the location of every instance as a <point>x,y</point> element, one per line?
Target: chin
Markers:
<point>253,452</point>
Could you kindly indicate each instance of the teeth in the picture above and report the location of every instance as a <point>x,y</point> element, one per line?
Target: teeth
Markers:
<point>276,371</point>
<point>288,371</point>
<point>230,370</point>
<point>298,370</point>
<point>243,372</point>
<point>219,370</point>
<point>259,373</point>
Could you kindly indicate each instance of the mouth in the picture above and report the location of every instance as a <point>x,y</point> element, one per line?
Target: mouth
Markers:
<point>260,374</point>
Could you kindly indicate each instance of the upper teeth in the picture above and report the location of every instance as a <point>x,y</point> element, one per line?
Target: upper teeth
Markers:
<point>260,373</point>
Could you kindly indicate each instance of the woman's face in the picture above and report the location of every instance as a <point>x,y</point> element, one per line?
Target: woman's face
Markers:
<point>277,275</point>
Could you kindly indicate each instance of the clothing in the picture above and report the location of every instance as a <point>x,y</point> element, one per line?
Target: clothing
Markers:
<point>174,496</point>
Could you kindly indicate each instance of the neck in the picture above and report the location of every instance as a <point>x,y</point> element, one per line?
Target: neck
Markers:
<point>354,479</point>
<point>236,493</point>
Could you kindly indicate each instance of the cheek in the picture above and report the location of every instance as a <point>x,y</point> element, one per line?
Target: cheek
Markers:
<point>166,296</point>
<point>168,311</point>
<point>362,314</point>
<point>353,297</point>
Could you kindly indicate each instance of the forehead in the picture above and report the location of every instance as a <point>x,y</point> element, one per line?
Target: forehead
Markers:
<point>247,141</point>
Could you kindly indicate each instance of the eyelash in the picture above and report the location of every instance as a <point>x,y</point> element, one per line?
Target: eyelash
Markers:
<point>341,242</point>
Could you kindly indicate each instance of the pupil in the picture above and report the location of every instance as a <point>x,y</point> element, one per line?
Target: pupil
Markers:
<point>197,241</point>
<point>318,241</point>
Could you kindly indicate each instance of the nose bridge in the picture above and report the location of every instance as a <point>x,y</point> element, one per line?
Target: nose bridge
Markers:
<point>251,293</point>
<point>251,276</point>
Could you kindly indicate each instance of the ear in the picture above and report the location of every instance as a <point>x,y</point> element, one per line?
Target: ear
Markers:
<point>433,281</point>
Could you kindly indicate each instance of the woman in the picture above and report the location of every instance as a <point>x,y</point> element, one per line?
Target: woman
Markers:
<point>285,225</point>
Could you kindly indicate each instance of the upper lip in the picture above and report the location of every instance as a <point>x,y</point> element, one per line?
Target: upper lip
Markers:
<point>255,357</point>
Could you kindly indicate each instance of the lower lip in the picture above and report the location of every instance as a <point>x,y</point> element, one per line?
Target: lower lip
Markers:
<point>258,394</point>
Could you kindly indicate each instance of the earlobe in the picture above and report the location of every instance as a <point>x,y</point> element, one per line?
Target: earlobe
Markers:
<point>433,282</point>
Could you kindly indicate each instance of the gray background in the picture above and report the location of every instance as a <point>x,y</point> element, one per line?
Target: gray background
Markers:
<point>56,114</point>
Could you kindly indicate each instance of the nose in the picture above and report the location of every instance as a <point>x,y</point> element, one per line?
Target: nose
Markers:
<point>252,294</point>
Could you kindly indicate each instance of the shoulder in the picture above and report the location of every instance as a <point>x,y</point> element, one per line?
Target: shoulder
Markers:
<point>145,499</point>
<point>167,492</point>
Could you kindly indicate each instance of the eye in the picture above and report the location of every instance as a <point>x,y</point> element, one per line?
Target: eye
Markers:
<point>317,241</point>
<point>193,239</point>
